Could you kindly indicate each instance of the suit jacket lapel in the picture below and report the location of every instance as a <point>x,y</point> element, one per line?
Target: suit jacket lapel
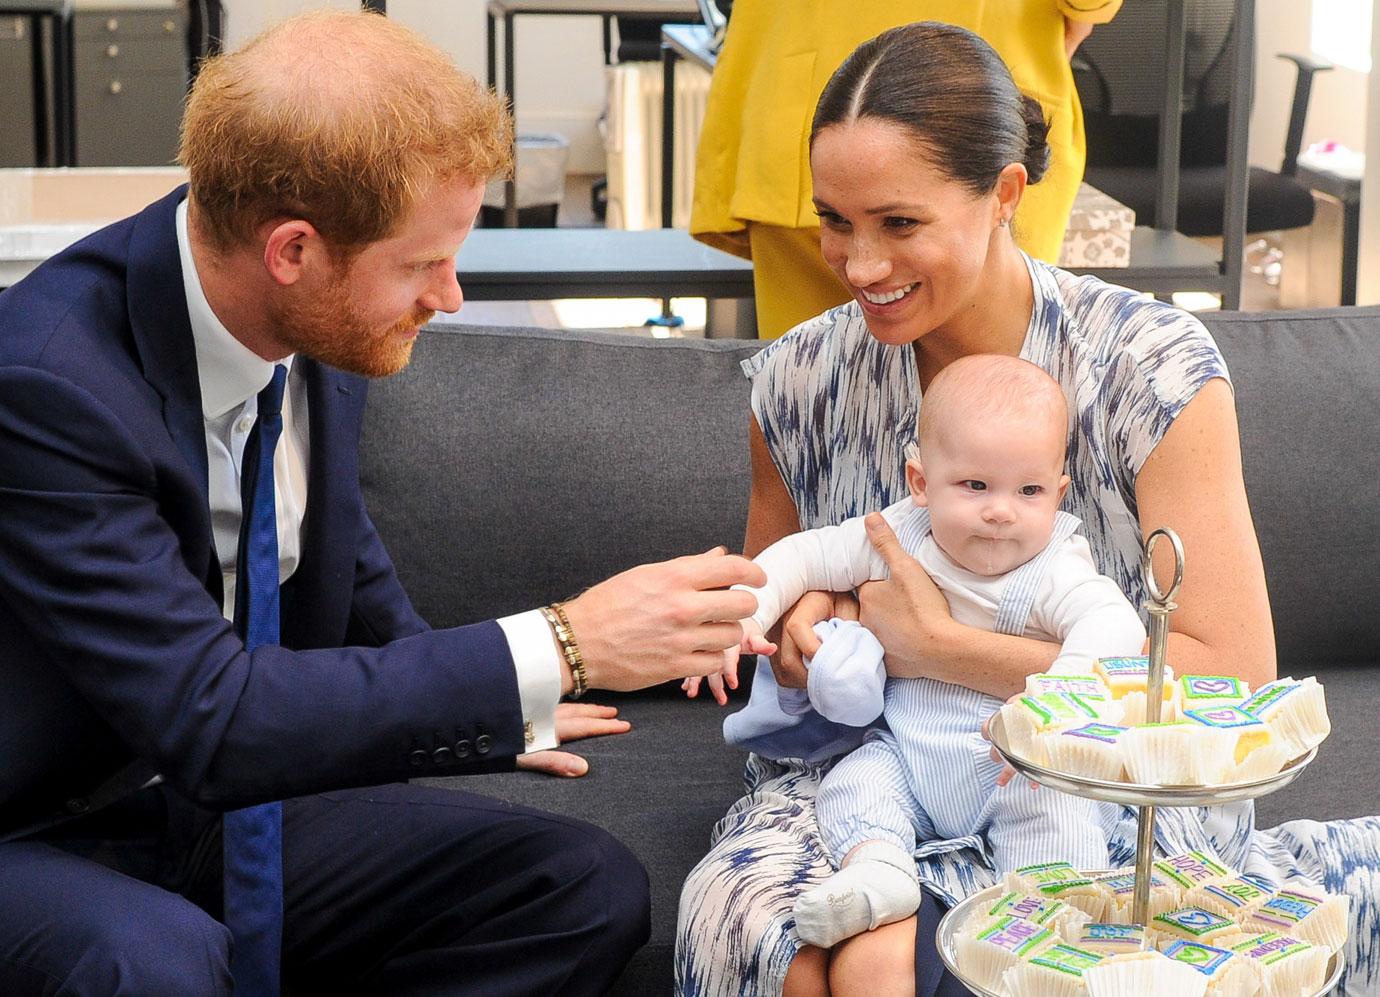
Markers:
<point>162,334</point>
<point>317,600</point>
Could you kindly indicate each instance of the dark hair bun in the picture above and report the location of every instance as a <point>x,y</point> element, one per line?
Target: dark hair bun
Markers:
<point>1036,135</point>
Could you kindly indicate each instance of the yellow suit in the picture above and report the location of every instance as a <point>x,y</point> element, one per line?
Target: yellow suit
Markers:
<point>752,171</point>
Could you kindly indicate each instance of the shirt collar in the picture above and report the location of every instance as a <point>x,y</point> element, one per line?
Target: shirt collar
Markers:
<point>230,372</point>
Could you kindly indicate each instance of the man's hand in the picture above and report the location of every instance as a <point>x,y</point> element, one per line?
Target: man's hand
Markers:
<point>907,612</point>
<point>573,722</point>
<point>664,621</point>
<point>754,642</point>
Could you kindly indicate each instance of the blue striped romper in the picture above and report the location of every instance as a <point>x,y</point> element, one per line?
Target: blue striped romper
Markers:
<point>836,407</point>
<point>889,789</point>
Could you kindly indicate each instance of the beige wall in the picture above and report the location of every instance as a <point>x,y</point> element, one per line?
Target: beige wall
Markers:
<point>1337,110</point>
<point>560,72</point>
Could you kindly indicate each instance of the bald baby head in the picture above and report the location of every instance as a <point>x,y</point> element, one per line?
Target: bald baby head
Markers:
<point>994,388</point>
<point>339,118</point>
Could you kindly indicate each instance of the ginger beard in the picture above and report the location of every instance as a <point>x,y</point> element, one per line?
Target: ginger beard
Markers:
<point>327,326</point>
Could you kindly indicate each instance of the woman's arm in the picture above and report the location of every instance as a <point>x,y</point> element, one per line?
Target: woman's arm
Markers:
<point>1192,483</point>
<point>911,618</point>
<point>771,513</point>
<point>771,516</point>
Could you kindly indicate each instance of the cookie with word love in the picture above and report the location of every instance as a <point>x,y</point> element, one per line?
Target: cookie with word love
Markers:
<point>1227,973</point>
<point>1064,919</point>
<point>1057,971</point>
<point>996,946</point>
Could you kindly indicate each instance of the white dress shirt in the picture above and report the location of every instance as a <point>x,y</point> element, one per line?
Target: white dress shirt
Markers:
<point>231,377</point>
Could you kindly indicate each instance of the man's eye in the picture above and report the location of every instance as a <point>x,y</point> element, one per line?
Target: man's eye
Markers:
<point>972,484</point>
<point>1031,490</point>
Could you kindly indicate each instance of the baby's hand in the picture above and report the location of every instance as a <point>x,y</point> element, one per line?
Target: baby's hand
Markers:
<point>725,677</point>
<point>754,640</point>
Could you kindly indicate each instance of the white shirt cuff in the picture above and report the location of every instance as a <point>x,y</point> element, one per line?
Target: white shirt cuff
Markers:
<point>538,668</point>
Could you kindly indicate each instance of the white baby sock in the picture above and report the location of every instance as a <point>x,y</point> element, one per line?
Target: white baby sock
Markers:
<point>877,886</point>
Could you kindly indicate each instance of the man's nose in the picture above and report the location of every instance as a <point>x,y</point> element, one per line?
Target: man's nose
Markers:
<point>443,294</point>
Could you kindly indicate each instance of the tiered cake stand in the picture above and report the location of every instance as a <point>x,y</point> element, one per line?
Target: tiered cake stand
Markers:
<point>1146,798</point>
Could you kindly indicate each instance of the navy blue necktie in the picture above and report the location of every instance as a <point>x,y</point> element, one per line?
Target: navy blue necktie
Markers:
<point>253,837</point>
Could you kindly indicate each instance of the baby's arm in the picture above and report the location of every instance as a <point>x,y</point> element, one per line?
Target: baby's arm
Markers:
<point>1086,612</point>
<point>829,559</point>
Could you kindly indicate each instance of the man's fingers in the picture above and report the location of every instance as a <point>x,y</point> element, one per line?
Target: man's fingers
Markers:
<point>575,728</point>
<point>715,569</point>
<point>561,763</point>
<point>584,710</point>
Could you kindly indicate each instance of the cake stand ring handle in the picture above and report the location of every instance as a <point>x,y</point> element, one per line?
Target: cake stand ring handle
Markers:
<point>1158,597</point>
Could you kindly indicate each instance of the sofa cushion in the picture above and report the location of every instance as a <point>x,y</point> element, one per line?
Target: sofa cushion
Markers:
<point>506,468</point>
<point>1308,399</point>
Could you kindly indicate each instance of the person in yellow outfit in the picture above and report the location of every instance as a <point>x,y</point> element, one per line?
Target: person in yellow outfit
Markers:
<point>752,170</point>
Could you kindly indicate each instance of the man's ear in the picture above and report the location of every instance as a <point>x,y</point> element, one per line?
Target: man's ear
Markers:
<point>915,480</point>
<point>288,247</point>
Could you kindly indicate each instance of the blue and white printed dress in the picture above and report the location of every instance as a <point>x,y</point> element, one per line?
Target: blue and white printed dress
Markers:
<point>837,408</point>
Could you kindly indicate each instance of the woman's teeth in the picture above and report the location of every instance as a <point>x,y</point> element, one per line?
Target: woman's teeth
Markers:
<point>890,296</point>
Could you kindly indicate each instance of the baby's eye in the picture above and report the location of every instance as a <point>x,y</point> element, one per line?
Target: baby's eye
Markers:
<point>1031,490</point>
<point>973,485</point>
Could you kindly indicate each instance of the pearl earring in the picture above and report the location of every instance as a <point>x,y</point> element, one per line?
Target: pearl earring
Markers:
<point>1003,222</point>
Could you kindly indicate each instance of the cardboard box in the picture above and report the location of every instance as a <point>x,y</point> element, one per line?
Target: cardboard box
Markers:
<point>43,211</point>
<point>1099,232</point>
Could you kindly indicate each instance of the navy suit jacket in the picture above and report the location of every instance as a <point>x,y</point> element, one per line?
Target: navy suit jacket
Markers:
<point>114,655</point>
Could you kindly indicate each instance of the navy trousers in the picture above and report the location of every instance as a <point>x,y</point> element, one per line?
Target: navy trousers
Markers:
<point>390,890</point>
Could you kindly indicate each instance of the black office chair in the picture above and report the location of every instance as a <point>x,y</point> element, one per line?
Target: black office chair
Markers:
<point>1119,72</point>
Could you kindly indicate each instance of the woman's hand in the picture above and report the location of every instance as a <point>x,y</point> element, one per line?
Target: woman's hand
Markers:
<point>795,634</point>
<point>1075,34</point>
<point>907,612</point>
<point>573,722</point>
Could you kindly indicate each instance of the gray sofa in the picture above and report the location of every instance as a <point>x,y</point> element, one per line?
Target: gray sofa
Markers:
<point>506,468</point>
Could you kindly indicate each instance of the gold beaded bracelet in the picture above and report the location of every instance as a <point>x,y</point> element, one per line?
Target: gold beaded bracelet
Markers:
<point>565,636</point>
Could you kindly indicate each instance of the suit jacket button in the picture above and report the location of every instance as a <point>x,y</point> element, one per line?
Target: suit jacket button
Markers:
<point>462,748</point>
<point>441,755</point>
<point>481,743</point>
<point>418,757</point>
<point>77,806</point>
